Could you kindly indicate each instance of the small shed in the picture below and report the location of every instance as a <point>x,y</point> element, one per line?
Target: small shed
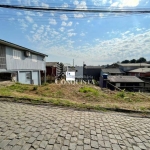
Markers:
<point>130,83</point>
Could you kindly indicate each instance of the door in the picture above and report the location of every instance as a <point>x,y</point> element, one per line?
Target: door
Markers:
<point>35,77</point>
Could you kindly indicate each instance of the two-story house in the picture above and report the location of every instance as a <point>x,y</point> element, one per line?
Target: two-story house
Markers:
<point>24,65</point>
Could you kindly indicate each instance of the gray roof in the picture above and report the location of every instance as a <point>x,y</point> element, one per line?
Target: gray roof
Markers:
<point>140,70</point>
<point>20,47</point>
<point>112,70</point>
<point>120,79</point>
<point>51,64</point>
<point>135,65</point>
<point>92,67</point>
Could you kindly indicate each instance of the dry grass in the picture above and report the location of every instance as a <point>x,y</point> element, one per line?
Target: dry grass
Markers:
<point>78,95</point>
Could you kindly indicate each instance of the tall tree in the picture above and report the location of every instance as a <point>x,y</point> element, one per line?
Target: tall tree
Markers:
<point>133,61</point>
<point>125,61</point>
<point>141,60</point>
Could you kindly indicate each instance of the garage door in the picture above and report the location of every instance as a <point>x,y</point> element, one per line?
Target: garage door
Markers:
<point>25,77</point>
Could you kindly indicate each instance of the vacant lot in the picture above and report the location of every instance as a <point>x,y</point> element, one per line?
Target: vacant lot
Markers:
<point>83,96</point>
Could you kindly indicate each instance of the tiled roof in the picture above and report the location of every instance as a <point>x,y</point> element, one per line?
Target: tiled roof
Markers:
<point>140,70</point>
<point>135,64</point>
<point>112,70</point>
<point>120,79</point>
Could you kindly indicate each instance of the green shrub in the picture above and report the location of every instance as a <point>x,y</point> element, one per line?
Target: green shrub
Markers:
<point>35,88</point>
<point>121,94</point>
<point>89,90</point>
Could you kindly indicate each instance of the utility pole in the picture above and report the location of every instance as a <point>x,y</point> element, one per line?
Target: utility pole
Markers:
<point>73,62</point>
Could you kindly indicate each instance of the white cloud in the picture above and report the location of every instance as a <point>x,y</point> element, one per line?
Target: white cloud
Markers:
<point>65,5</point>
<point>69,24</point>
<point>81,5</point>
<point>34,26</point>
<point>29,13</point>
<point>19,13</point>
<point>52,21</point>
<point>64,23</point>
<point>89,21</point>
<point>63,17</point>
<point>23,24</point>
<point>126,3</point>
<point>71,34</point>
<point>100,2</point>
<point>101,15</point>
<point>11,19</point>
<point>78,15</point>
<point>70,30</point>
<point>39,14</point>
<point>82,34</point>
<point>45,5</point>
<point>62,29</point>
<point>76,2</point>
<point>29,19</point>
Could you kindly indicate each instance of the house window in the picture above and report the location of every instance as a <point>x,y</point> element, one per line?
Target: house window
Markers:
<point>16,54</point>
<point>28,76</point>
<point>34,58</point>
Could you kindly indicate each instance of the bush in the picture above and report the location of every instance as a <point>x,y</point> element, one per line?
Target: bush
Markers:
<point>121,94</point>
<point>35,88</point>
<point>89,90</point>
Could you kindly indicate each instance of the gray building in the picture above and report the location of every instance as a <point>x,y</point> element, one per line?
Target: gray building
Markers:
<point>21,64</point>
<point>79,72</point>
<point>91,72</point>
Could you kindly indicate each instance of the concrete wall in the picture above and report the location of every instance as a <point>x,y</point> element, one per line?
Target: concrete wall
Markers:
<point>25,63</point>
<point>79,72</point>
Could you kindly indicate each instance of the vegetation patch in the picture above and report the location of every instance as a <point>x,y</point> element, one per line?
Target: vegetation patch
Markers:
<point>76,96</point>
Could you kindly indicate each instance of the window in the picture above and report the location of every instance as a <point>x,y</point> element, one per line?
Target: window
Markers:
<point>28,76</point>
<point>34,58</point>
<point>16,54</point>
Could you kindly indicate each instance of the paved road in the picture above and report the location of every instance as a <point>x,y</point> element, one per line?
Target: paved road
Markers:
<point>24,127</point>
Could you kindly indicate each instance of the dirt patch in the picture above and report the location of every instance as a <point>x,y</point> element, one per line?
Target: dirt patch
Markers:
<point>6,83</point>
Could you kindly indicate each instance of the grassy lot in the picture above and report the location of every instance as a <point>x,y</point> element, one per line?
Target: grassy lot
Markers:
<point>80,96</point>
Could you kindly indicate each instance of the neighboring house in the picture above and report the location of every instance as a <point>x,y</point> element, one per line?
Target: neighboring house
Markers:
<point>130,66</point>
<point>79,72</point>
<point>21,64</point>
<point>112,71</point>
<point>130,83</point>
<point>69,72</point>
<point>91,72</point>
<point>140,72</point>
<point>52,69</point>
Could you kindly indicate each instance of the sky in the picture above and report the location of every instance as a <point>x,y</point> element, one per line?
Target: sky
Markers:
<point>92,38</point>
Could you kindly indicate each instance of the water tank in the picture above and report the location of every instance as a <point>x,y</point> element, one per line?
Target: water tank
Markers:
<point>105,76</point>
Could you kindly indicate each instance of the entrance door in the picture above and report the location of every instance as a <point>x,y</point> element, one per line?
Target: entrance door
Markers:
<point>35,77</point>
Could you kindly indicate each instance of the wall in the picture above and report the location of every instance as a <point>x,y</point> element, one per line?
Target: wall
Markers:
<point>25,63</point>
<point>92,73</point>
<point>2,58</point>
<point>79,72</point>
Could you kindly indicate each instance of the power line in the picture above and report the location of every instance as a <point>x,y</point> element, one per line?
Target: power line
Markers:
<point>133,11</point>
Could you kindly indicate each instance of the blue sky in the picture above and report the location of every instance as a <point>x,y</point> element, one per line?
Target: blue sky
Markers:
<point>93,38</point>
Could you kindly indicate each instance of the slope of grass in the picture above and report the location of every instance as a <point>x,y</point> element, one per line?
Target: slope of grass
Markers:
<point>87,96</point>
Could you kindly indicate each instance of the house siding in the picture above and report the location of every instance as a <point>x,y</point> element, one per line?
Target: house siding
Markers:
<point>2,58</point>
<point>25,63</point>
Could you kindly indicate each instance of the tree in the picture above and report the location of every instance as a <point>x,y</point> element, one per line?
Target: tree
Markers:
<point>125,61</point>
<point>133,61</point>
<point>141,60</point>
